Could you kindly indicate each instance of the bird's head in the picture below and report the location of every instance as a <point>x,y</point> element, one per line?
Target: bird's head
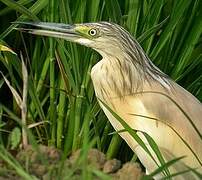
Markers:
<point>110,40</point>
<point>104,37</point>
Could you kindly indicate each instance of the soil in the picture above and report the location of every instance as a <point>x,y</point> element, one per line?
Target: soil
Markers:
<point>45,163</point>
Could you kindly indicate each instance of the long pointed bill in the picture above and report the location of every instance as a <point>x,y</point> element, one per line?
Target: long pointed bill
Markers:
<point>64,31</point>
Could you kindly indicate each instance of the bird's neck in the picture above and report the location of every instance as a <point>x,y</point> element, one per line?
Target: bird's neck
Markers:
<point>115,76</point>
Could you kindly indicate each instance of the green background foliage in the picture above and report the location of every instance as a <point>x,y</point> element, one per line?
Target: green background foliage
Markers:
<point>60,93</point>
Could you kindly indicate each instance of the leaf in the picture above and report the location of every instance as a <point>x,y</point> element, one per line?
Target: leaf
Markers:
<point>1,83</point>
<point>113,10</point>
<point>37,124</point>
<point>34,9</point>
<point>157,152</point>
<point>133,16</point>
<point>131,131</point>
<point>180,173</point>
<point>2,124</point>
<point>18,7</point>
<point>4,48</point>
<point>176,15</point>
<point>163,167</point>
<point>6,10</point>
<point>14,92</point>
<point>189,45</point>
<point>62,70</point>
<point>151,31</point>
<point>8,158</point>
<point>15,137</point>
<point>188,69</point>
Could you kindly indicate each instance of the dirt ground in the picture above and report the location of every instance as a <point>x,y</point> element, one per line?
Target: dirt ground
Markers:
<point>45,163</point>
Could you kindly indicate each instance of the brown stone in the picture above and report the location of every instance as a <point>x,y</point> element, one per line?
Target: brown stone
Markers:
<point>111,166</point>
<point>129,171</point>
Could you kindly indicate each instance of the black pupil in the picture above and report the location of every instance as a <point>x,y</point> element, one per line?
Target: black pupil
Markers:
<point>92,32</point>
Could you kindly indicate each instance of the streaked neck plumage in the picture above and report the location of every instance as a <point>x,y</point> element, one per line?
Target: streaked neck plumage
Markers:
<point>118,74</point>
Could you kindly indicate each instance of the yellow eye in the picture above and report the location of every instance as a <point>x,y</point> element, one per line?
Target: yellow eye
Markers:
<point>92,32</point>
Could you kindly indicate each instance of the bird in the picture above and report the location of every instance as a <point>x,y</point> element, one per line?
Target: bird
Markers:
<point>148,100</point>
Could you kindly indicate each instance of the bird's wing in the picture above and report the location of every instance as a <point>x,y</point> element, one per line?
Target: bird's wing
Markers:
<point>176,107</point>
<point>178,110</point>
<point>166,121</point>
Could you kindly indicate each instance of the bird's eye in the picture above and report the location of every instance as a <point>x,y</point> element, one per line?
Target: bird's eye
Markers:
<point>92,32</point>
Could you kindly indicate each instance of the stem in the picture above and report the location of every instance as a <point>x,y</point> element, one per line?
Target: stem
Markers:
<point>52,79</point>
<point>61,110</point>
<point>24,104</point>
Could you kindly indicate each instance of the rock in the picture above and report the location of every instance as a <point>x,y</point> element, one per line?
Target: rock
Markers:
<point>129,171</point>
<point>42,153</point>
<point>111,166</point>
<point>9,175</point>
<point>45,163</point>
<point>95,158</point>
<point>39,161</point>
<point>38,169</point>
<point>67,164</point>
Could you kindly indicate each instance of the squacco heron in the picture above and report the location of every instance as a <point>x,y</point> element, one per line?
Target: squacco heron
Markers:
<point>135,89</point>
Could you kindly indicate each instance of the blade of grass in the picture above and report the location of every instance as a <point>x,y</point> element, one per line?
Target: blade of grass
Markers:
<point>8,9</point>
<point>146,35</point>
<point>18,7</point>
<point>157,152</point>
<point>163,166</point>
<point>129,130</point>
<point>113,10</point>
<point>177,13</point>
<point>34,9</point>
<point>14,164</point>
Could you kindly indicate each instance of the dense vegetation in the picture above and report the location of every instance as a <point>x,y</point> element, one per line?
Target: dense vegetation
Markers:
<point>62,109</point>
